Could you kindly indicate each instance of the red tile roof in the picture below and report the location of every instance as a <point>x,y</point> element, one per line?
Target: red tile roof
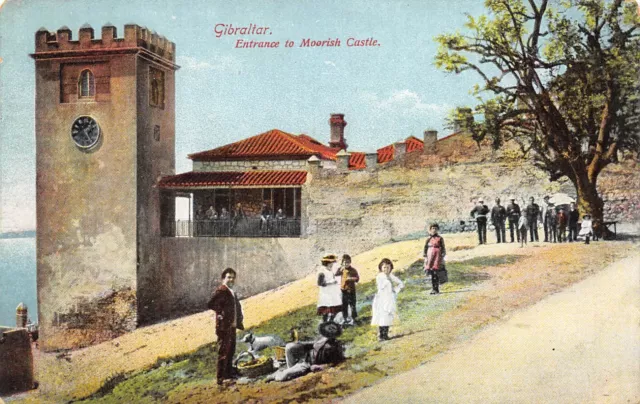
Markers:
<point>195,179</point>
<point>386,153</point>
<point>449,136</point>
<point>274,144</point>
<point>356,161</point>
<point>413,144</point>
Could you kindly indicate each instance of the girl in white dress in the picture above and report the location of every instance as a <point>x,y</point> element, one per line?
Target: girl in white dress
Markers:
<point>329,293</point>
<point>384,303</point>
<point>586,228</point>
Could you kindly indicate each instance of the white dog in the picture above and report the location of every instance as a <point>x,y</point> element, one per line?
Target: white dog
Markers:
<point>257,344</point>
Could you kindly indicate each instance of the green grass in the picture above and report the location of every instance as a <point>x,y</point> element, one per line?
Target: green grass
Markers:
<point>415,307</point>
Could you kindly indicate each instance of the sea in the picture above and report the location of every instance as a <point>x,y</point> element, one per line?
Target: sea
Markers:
<point>17,278</point>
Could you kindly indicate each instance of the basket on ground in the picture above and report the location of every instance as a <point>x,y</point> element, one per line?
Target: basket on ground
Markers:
<point>250,366</point>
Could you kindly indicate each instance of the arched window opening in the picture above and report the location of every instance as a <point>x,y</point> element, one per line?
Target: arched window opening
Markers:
<point>86,84</point>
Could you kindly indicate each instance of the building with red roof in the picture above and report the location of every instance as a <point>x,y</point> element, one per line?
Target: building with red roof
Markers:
<point>261,177</point>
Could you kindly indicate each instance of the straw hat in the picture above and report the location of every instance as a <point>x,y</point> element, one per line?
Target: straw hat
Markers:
<point>329,258</point>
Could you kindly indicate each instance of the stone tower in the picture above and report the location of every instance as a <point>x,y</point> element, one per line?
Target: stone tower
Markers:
<point>105,132</point>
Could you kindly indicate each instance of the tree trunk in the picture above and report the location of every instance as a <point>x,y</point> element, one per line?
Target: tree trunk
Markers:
<point>590,203</point>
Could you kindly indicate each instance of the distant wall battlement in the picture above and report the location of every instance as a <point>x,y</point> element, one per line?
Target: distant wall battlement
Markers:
<point>135,36</point>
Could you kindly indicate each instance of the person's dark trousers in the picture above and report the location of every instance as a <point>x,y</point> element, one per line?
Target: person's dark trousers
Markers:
<point>513,227</point>
<point>435,281</point>
<point>573,232</point>
<point>349,300</point>
<point>552,234</point>
<point>383,333</point>
<point>533,230</point>
<point>500,232</point>
<point>562,234</point>
<point>226,350</point>
<point>546,230</point>
<point>482,230</point>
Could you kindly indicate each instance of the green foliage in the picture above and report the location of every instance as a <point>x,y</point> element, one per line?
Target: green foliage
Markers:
<point>559,78</point>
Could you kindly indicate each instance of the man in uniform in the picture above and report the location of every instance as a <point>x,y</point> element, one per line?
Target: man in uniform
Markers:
<point>479,212</point>
<point>573,222</point>
<point>548,206</point>
<point>551,223</point>
<point>498,217</point>
<point>532,211</point>
<point>228,317</point>
<point>513,213</point>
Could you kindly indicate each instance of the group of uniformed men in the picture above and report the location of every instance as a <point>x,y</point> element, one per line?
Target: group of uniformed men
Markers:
<point>556,221</point>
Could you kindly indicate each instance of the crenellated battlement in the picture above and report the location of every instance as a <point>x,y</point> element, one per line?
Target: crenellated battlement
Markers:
<point>135,36</point>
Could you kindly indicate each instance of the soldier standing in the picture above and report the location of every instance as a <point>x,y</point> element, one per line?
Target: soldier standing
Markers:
<point>546,217</point>
<point>551,223</point>
<point>513,213</point>
<point>498,217</point>
<point>479,212</point>
<point>573,222</point>
<point>532,211</point>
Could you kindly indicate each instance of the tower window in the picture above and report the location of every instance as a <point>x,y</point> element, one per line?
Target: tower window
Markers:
<point>86,84</point>
<point>156,88</point>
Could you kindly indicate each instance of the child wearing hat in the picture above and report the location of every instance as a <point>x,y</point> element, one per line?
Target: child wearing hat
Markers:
<point>434,252</point>
<point>586,228</point>
<point>329,294</point>
<point>384,303</point>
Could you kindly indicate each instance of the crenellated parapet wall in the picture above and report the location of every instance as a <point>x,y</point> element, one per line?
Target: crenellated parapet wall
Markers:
<point>135,36</point>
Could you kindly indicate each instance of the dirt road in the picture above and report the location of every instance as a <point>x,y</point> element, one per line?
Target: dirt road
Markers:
<point>581,345</point>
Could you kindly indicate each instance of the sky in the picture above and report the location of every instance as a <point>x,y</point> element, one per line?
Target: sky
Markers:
<point>225,94</point>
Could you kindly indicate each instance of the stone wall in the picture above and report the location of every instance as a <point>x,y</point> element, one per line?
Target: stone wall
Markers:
<point>16,361</point>
<point>191,268</point>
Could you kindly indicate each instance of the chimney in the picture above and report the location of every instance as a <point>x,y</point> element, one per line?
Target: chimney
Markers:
<point>313,166</point>
<point>399,150</point>
<point>371,160</point>
<point>343,160</point>
<point>430,140</point>
<point>459,122</point>
<point>337,124</point>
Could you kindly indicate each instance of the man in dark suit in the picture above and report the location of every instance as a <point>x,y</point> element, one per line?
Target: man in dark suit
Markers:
<point>573,222</point>
<point>498,217</point>
<point>479,212</point>
<point>228,317</point>
<point>513,213</point>
<point>532,212</point>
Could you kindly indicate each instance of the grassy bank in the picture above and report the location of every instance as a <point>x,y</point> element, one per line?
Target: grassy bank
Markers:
<point>174,377</point>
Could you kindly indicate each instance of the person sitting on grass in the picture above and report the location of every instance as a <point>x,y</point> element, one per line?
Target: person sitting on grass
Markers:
<point>434,253</point>
<point>303,357</point>
<point>384,303</point>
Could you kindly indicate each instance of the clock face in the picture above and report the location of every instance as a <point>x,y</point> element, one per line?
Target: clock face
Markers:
<point>85,132</point>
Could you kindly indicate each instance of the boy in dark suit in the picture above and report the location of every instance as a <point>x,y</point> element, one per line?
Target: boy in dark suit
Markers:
<point>228,317</point>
